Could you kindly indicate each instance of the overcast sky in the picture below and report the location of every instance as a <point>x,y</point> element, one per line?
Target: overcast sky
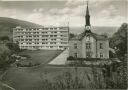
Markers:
<point>51,12</point>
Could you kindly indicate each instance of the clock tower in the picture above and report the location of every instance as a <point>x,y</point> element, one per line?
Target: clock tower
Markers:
<point>87,20</point>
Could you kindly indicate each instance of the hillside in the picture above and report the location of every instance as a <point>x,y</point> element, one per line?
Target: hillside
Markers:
<point>6,25</point>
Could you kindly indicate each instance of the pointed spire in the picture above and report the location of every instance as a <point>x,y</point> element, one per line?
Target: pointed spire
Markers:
<point>87,17</point>
<point>87,10</point>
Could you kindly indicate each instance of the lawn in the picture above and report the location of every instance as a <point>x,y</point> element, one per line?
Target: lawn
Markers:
<point>31,78</point>
<point>40,56</point>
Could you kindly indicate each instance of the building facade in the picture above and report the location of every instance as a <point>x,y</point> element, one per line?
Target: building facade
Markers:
<point>89,44</point>
<point>41,38</point>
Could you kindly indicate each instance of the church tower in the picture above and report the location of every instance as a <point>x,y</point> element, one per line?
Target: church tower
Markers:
<point>87,19</point>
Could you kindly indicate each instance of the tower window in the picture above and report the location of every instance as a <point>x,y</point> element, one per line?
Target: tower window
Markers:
<point>88,45</point>
<point>101,45</point>
<point>75,45</point>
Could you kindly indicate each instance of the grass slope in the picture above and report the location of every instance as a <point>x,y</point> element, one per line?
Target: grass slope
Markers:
<point>23,78</point>
<point>41,56</point>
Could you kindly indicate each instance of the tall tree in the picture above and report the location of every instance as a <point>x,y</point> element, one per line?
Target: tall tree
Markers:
<point>4,55</point>
<point>119,40</point>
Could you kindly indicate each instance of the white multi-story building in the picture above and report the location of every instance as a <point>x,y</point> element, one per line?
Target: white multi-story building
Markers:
<point>41,38</point>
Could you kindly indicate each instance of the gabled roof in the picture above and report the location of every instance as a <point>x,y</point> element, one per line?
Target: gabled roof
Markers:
<point>96,36</point>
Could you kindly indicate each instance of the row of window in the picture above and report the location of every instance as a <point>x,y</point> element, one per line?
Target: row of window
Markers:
<point>45,43</point>
<point>56,28</point>
<point>89,55</point>
<point>88,45</point>
<point>44,36</point>
<point>43,40</point>
<point>34,32</point>
<point>41,32</point>
<point>42,47</point>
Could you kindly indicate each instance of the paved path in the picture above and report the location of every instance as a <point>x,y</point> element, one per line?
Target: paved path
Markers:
<point>61,59</point>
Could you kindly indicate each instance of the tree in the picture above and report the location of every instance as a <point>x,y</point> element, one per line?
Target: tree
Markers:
<point>4,56</point>
<point>119,40</point>
<point>105,34</point>
<point>3,38</point>
<point>71,35</point>
<point>13,47</point>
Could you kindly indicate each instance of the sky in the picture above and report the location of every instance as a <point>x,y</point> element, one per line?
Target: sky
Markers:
<point>66,12</point>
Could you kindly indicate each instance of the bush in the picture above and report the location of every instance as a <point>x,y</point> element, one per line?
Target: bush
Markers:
<point>27,65</point>
<point>71,58</point>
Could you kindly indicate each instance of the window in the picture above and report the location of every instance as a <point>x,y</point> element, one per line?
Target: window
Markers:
<point>88,45</point>
<point>75,55</point>
<point>51,28</point>
<point>51,35</point>
<point>60,46</point>
<point>22,39</point>
<point>75,45</point>
<point>101,45</point>
<point>55,28</point>
<point>101,55</point>
<point>66,43</point>
<point>51,46</point>
<point>55,35</point>
<point>30,39</point>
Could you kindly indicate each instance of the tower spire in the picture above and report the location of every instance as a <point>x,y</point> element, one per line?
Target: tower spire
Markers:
<point>87,17</point>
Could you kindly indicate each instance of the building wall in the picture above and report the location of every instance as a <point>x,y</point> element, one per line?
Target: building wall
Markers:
<point>73,50</point>
<point>105,50</point>
<point>95,48</point>
<point>41,38</point>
